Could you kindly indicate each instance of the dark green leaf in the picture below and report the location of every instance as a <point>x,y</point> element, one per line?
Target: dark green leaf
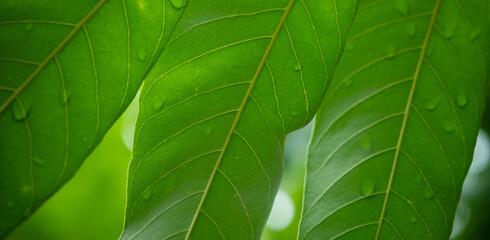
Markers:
<point>395,136</point>
<point>68,69</point>
<point>234,78</point>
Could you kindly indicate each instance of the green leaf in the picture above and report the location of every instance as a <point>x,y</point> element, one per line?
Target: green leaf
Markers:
<point>486,114</point>
<point>68,69</point>
<point>394,138</point>
<point>234,79</point>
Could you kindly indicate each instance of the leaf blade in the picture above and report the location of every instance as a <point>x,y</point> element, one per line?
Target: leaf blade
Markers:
<point>211,77</point>
<point>63,86</point>
<point>434,122</point>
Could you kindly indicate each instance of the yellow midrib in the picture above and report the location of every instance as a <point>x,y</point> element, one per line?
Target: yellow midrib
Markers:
<point>52,55</point>
<point>407,112</point>
<point>240,112</point>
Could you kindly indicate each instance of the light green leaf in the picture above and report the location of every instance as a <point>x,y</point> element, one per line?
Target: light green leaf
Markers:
<point>68,69</point>
<point>234,78</point>
<point>395,136</point>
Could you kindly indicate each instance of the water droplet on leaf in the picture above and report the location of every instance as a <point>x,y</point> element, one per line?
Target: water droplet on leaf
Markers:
<point>141,55</point>
<point>390,50</point>
<point>350,46</point>
<point>401,6</point>
<point>39,161</point>
<point>18,112</point>
<point>418,179</point>
<point>428,194</point>
<point>449,126</point>
<point>64,99</point>
<point>147,196</point>
<point>177,4</point>
<point>449,30</point>
<point>294,113</point>
<point>367,187</point>
<point>413,219</point>
<point>209,131</point>
<point>297,68</point>
<point>474,35</point>
<point>432,104</point>
<point>366,143</point>
<point>29,27</point>
<point>348,82</point>
<point>411,29</point>
<point>158,103</point>
<point>461,100</point>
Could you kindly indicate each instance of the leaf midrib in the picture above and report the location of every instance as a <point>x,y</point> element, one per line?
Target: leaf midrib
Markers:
<point>53,54</point>
<point>407,112</point>
<point>240,112</point>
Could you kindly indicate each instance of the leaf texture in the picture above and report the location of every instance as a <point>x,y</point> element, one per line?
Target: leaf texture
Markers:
<point>394,138</point>
<point>234,78</point>
<point>68,69</point>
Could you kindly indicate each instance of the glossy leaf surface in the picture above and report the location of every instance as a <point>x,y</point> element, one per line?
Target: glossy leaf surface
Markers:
<point>234,78</point>
<point>68,69</point>
<point>394,138</point>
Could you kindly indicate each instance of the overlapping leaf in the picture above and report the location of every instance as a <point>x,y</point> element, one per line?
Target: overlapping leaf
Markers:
<point>234,78</point>
<point>67,70</point>
<point>395,136</point>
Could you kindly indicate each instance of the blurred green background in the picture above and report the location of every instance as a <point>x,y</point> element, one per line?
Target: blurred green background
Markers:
<point>91,205</point>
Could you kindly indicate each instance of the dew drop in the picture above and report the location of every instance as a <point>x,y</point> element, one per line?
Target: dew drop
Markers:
<point>297,68</point>
<point>411,29</point>
<point>29,27</point>
<point>25,189</point>
<point>390,50</point>
<point>348,83</point>
<point>141,55</point>
<point>39,161</point>
<point>428,195</point>
<point>461,100</point>
<point>449,30</point>
<point>141,4</point>
<point>367,187</point>
<point>475,34</point>
<point>19,113</point>
<point>350,46</point>
<point>10,204</point>
<point>432,104</point>
<point>147,196</point>
<point>413,219</point>
<point>209,131</point>
<point>64,99</point>
<point>294,113</point>
<point>157,103</point>
<point>10,78</point>
<point>418,179</point>
<point>236,157</point>
<point>366,143</point>
<point>401,6</point>
<point>448,126</point>
<point>177,4</point>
